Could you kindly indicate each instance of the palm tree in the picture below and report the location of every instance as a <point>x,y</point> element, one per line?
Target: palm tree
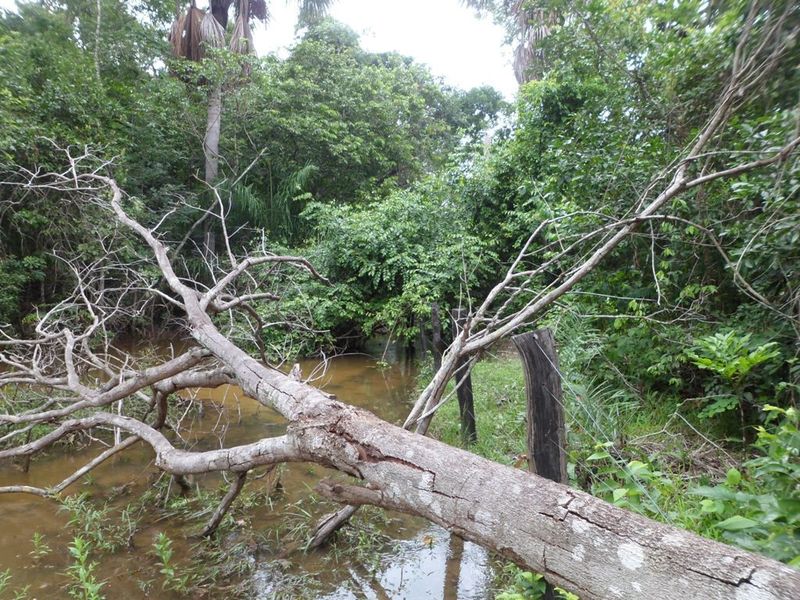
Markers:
<point>528,25</point>
<point>194,30</point>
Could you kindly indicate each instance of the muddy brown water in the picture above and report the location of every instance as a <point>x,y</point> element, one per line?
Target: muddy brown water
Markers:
<point>422,561</point>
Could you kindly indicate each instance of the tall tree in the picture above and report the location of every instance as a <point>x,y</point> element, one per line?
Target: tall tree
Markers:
<point>195,30</point>
<point>527,23</point>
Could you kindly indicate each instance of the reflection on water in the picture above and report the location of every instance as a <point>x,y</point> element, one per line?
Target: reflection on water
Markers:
<point>425,562</point>
<point>431,565</point>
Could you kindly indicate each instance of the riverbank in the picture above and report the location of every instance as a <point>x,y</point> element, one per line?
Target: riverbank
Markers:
<point>647,457</point>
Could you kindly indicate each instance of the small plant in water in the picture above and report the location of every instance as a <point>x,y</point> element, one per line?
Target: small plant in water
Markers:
<point>5,577</point>
<point>22,594</point>
<point>102,528</point>
<point>84,585</point>
<point>164,552</point>
<point>40,547</point>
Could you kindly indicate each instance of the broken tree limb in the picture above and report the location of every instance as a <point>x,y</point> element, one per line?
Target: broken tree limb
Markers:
<point>233,492</point>
<point>330,524</point>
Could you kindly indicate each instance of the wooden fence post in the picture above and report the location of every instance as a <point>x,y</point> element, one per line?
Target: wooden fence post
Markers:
<point>547,437</point>
<point>463,381</point>
<point>436,337</point>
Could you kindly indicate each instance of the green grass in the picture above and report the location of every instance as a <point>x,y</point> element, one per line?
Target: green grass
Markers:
<point>641,454</point>
<point>499,390</point>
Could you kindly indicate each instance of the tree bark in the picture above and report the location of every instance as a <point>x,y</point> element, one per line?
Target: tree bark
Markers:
<point>233,492</point>
<point>211,139</point>
<point>98,21</point>
<point>211,152</point>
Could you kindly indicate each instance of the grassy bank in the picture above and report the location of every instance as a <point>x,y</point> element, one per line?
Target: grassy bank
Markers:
<point>646,455</point>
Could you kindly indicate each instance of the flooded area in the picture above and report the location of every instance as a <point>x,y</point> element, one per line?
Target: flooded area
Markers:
<point>414,559</point>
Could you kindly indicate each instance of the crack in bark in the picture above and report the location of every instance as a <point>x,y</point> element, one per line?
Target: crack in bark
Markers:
<point>641,541</point>
<point>445,494</point>
<point>567,504</point>
<point>372,455</point>
<point>746,580</point>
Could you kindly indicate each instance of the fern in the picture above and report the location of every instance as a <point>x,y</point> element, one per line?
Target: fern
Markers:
<point>275,212</point>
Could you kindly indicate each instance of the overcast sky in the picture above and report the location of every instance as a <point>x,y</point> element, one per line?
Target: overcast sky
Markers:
<point>463,49</point>
<point>450,39</point>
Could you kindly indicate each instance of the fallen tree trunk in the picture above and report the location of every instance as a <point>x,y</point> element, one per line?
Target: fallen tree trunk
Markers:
<point>578,542</point>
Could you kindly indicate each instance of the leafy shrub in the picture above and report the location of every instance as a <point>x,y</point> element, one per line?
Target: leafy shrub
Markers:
<point>731,357</point>
<point>759,508</point>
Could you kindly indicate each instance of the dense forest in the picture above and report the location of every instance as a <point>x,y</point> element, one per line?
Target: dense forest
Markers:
<point>642,192</point>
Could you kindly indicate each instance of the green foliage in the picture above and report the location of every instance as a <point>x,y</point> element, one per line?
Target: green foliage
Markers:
<point>758,508</point>
<point>84,585</point>
<point>99,526</point>
<point>40,547</point>
<point>634,485</point>
<point>731,356</point>
<point>336,123</point>
<point>276,212</point>
<point>531,586</point>
<point>627,86</point>
<point>330,123</point>
<point>162,548</point>
<point>392,258</point>
<point>51,98</point>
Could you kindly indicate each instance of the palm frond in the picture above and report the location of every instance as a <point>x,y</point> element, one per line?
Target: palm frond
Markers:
<point>259,10</point>
<point>246,206</point>
<point>311,11</point>
<point>277,212</point>
<point>242,37</point>
<point>211,32</point>
<point>191,42</point>
<point>297,181</point>
<point>176,34</point>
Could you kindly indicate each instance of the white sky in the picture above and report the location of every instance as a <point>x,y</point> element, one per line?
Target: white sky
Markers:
<point>457,46</point>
